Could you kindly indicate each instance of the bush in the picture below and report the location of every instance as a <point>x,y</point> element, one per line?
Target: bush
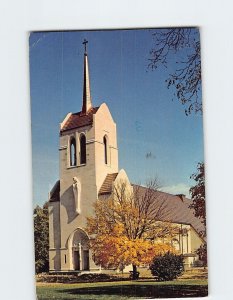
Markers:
<point>65,277</point>
<point>167,267</point>
<point>41,266</point>
<point>94,277</point>
<point>202,253</point>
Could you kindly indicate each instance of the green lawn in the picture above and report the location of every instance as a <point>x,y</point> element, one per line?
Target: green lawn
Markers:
<point>123,290</point>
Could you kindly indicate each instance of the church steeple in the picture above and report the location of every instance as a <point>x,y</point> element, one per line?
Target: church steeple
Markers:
<point>86,83</point>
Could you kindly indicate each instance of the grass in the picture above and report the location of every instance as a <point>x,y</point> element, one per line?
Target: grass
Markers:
<point>141,289</point>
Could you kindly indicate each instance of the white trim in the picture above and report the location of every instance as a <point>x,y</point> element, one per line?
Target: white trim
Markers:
<point>90,141</point>
<point>64,121</point>
<point>69,242</point>
<point>53,249</point>
<point>71,136</point>
<point>62,148</point>
<point>72,167</point>
<point>113,147</point>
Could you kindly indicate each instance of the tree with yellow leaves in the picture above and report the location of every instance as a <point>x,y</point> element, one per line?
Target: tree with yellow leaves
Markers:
<point>127,227</point>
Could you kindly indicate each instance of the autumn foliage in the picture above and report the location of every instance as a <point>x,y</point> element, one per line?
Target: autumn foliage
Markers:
<point>117,250</point>
<point>198,204</point>
<point>198,193</point>
<point>126,228</point>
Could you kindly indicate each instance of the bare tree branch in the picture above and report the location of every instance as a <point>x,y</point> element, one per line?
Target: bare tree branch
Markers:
<point>187,78</point>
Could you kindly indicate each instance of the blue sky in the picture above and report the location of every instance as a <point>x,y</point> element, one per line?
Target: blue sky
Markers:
<point>148,121</point>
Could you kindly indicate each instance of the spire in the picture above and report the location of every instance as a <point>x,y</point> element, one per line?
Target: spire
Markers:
<point>86,83</point>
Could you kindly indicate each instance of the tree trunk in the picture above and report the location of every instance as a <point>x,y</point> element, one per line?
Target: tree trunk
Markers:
<point>135,272</point>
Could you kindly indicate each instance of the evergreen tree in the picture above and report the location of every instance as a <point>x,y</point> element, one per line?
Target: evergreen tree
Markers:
<point>41,238</point>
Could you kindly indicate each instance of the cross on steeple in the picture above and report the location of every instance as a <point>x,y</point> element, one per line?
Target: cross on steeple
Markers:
<point>85,45</point>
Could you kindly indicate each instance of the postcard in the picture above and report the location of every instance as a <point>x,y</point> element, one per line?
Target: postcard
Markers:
<point>118,164</point>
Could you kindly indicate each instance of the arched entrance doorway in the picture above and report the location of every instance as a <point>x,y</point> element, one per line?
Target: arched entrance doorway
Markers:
<point>79,250</point>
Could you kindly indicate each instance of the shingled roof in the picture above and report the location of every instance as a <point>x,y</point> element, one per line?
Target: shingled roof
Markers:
<point>55,192</point>
<point>79,119</point>
<point>175,208</point>
<point>106,187</point>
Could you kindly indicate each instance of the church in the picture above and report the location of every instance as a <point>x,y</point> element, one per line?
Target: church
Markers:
<point>88,161</point>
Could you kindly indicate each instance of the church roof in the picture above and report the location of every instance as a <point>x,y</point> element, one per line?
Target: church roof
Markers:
<point>173,208</point>
<point>79,119</point>
<point>106,187</point>
<point>55,192</point>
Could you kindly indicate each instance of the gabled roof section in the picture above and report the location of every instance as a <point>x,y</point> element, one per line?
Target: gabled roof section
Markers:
<point>107,185</point>
<point>54,194</point>
<point>79,119</point>
<point>175,208</point>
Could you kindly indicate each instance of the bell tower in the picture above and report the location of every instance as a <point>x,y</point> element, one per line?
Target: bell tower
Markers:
<point>88,153</point>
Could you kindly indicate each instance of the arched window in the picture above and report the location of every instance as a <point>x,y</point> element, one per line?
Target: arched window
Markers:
<point>83,149</point>
<point>73,160</point>
<point>105,150</point>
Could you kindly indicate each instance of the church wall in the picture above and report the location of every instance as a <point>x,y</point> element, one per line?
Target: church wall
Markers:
<point>105,126</point>
<point>54,235</point>
<point>65,260</point>
<point>196,240</point>
<point>54,260</point>
<point>54,225</point>
<point>189,242</point>
<point>185,239</point>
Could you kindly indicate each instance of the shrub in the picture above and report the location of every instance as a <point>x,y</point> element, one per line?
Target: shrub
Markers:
<point>94,277</point>
<point>202,253</point>
<point>41,266</point>
<point>167,267</point>
<point>75,277</point>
